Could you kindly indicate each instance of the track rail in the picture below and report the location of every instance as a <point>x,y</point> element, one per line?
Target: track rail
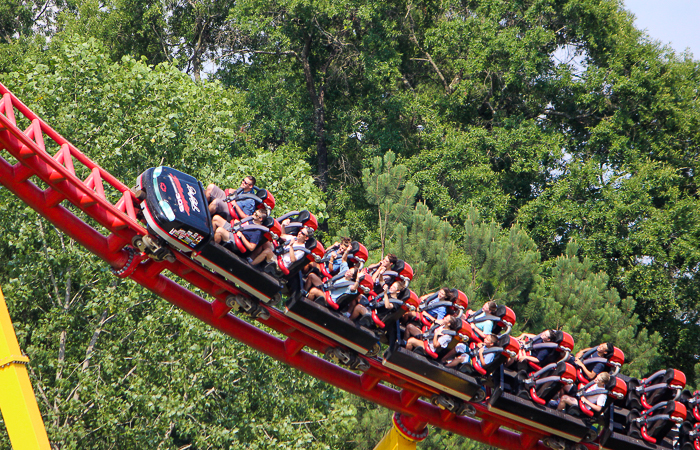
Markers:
<point>32,149</point>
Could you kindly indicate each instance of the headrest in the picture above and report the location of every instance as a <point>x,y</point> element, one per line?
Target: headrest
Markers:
<point>315,248</point>
<point>368,283</point>
<point>616,387</point>
<point>412,299</point>
<point>267,198</point>
<point>509,344</point>
<point>567,372</point>
<point>506,314</point>
<point>403,268</point>
<point>466,329</point>
<point>273,225</point>
<point>358,251</point>
<point>461,298</point>
<point>565,340</point>
<point>306,218</point>
<point>676,410</point>
<point>617,358</point>
<point>674,378</point>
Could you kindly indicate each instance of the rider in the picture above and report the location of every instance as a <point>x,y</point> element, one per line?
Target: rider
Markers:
<point>250,238</point>
<point>604,350</point>
<point>217,200</point>
<point>594,402</point>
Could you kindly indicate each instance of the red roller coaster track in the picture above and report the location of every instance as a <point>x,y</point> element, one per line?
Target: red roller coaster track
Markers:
<point>54,160</point>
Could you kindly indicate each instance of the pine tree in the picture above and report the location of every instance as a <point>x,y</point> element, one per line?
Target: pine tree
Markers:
<point>428,248</point>
<point>577,299</point>
<point>387,187</point>
<point>503,265</point>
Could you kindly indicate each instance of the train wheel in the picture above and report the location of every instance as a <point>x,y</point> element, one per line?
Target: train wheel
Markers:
<point>359,364</point>
<point>446,402</point>
<point>590,436</point>
<point>339,355</point>
<point>554,443</point>
<point>467,410</point>
<point>137,241</point>
<point>479,396</point>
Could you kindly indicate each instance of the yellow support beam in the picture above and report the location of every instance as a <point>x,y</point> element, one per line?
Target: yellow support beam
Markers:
<point>404,435</point>
<point>17,402</point>
<point>394,440</point>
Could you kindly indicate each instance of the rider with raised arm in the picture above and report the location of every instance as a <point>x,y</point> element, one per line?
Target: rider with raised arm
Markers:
<point>293,249</point>
<point>463,357</point>
<point>604,350</point>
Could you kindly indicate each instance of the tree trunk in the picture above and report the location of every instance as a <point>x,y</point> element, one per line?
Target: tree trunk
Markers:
<point>319,115</point>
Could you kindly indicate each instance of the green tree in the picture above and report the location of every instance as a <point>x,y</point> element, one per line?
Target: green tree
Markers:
<point>503,265</point>
<point>577,299</point>
<point>429,248</point>
<point>393,196</point>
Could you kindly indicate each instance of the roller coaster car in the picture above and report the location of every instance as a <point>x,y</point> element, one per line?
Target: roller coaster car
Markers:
<point>615,389</point>
<point>339,281</point>
<point>175,208</point>
<point>176,212</point>
<point>333,324</point>
<point>507,347</point>
<point>401,270</point>
<point>652,429</point>
<point>261,197</point>
<point>527,406</point>
<point>613,362</point>
<point>357,257</point>
<point>385,320</point>
<point>663,385</point>
<point>271,230</point>
<point>431,372</point>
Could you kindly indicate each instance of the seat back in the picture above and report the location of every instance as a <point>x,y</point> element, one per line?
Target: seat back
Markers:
<point>506,322</point>
<point>358,254</point>
<point>266,198</point>
<point>461,299</point>
<point>549,380</point>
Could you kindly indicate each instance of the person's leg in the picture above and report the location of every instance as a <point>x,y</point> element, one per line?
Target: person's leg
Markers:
<point>266,254</point>
<point>458,360</point>
<point>312,280</point>
<point>412,343</point>
<point>221,235</point>
<point>566,400</point>
<point>315,292</point>
<point>411,331</point>
<point>213,191</point>
<point>218,221</point>
<point>358,311</point>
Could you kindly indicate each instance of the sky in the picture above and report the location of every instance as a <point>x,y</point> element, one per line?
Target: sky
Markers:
<point>673,22</point>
